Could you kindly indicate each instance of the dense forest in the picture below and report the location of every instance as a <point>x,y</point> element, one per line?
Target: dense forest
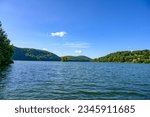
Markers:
<point>6,50</point>
<point>34,55</point>
<point>139,56</point>
<point>75,59</point>
<point>42,55</point>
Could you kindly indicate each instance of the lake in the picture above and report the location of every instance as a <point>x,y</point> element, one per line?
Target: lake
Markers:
<point>75,81</point>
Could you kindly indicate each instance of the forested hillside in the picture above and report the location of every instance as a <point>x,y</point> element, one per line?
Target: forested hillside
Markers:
<point>34,54</point>
<point>75,59</point>
<point>139,56</point>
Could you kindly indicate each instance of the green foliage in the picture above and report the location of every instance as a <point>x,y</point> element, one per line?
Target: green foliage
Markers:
<point>64,59</point>
<point>75,59</point>
<point>6,50</point>
<point>139,56</point>
<point>34,55</point>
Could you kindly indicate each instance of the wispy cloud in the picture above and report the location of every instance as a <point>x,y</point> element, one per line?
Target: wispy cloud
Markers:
<point>45,49</point>
<point>78,52</point>
<point>58,34</point>
<point>77,45</point>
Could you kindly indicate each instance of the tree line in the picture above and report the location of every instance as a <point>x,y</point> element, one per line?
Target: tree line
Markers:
<point>138,56</point>
<point>31,54</point>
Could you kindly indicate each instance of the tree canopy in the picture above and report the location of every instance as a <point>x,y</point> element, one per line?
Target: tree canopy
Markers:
<point>34,55</point>
<point>75,59</point>
<point>6,50</point>
<point>138,56</point>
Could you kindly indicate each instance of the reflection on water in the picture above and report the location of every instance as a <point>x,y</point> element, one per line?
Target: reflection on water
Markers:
<point>4,71</point>
<point>74,80</point>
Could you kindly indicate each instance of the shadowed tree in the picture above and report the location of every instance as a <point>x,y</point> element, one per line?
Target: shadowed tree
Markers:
<point>6,50</point>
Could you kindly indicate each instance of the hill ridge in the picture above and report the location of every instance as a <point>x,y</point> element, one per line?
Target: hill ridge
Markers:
<point>136,56</point>
<point>34,54</point>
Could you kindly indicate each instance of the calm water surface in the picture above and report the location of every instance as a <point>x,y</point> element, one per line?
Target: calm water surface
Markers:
<point>74,80</point>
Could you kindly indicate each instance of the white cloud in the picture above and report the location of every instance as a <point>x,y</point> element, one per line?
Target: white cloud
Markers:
<point>77,45</point>
<point>45,49</point>
<point>78,51</point>
<point>58,34</point>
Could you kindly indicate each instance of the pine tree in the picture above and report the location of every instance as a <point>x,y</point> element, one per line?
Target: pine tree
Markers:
<point>6,50</point>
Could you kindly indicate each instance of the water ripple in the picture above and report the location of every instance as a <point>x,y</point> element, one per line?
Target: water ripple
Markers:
<point>70,80</point>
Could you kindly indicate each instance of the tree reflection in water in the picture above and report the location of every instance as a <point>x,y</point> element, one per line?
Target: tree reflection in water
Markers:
<point>4,71</point>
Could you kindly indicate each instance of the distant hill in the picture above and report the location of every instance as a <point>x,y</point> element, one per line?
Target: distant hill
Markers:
<point>138,56</point>
<point>75,59</point>
<point>34,54</point>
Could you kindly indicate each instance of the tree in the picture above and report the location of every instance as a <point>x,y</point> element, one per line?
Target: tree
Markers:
<point>6,50</point>
<point>64,59</point>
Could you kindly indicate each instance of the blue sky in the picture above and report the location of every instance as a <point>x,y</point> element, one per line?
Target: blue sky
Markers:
<point>77,27</point>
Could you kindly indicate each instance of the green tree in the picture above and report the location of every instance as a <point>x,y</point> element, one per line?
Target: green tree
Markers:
<point>6,50</point>
<point>64,59</point>
<point>138,56</point>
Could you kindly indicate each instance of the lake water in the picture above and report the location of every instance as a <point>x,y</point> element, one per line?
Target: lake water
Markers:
<point>74,80</point>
